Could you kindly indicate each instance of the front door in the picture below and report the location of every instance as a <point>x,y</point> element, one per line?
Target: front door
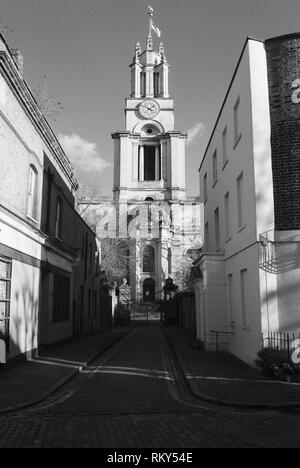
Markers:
<point>149,290</point>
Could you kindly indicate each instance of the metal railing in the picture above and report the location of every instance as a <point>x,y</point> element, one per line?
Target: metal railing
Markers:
<point>217,341</point>
<point>281,342</point>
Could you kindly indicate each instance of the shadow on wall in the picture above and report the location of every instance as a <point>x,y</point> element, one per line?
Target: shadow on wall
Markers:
<point>287,257</point>
<point>24,312</point>
<point>278,257</point>
<point>284,263</point>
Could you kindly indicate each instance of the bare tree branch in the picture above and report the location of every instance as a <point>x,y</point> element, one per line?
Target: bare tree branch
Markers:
<point>47,104</point>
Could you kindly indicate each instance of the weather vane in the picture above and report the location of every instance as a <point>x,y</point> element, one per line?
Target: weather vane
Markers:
<point>152,26</point>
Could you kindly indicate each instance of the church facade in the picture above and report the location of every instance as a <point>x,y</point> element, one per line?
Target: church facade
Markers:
<point>149,179</point>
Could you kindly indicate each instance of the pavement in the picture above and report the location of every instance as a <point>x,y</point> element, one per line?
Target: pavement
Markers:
<point>220,379</point>
<point>25,384</point>
<point>223,379</point>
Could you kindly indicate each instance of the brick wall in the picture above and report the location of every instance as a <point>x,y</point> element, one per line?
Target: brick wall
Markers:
<point>283,58</point>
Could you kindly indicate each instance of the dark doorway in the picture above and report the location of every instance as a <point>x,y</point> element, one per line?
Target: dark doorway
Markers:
<point>149,290</point>
<point>149,152</point>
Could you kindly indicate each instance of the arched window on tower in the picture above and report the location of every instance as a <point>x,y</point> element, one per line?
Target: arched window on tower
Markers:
<point>156,84</point>
<point>149,259</point>
<point>143,84</point>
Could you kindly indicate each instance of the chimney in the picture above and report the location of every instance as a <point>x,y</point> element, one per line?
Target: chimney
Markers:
<point>18,59</point>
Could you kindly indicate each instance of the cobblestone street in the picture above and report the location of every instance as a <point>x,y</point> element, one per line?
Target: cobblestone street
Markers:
<point>133,396</point>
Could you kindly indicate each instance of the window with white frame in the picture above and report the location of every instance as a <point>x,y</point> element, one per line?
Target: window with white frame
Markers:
<point>206,234</point>
<point>215,167</point>
<point>217,228</point>
<point>230,298</point>
<point>243,279</point>
<point>58,219</point>
<point>224,146</point>
<point>227,216</point>
<point>240,200</point>
<point>236,123</point>
<point>205,188</point>
<point>32,201</point>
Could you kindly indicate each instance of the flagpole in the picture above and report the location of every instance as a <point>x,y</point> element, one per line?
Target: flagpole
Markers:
<point>150,14</point>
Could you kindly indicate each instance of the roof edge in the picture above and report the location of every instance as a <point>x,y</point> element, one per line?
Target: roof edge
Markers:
<point>248,39</point>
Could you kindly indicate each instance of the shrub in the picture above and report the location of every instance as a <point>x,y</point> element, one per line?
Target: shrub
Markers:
<point>275,363</point>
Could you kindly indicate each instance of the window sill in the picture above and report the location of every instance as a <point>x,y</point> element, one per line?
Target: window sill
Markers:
<point>35,221</point>
<point>58,238</point>
<point>241,228</point>
<point>246,328</point>
<point>225,164</point>
<point>237,141</point>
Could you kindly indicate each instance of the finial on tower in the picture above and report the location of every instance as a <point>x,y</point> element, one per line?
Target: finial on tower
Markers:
<point>138,49</point>
<point>161,49</point>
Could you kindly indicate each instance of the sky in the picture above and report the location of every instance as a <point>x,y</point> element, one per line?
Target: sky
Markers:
<point>84,48</point>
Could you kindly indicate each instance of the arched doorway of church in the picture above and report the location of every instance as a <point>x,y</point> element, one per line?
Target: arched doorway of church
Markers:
<point>149,290</point>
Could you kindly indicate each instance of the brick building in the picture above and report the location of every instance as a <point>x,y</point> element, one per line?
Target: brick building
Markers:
<point>250,187</point>
<point>48,255</point>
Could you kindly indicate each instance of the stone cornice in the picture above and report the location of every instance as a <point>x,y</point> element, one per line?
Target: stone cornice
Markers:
<point>126,134</point>
<point>120,133</point>
<point>177,134</point>
<point>137,136</point>
<point>28,102</point>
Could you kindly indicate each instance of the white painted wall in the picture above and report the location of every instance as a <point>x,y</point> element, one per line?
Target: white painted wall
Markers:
<point>21,145</point>
<point>24,309</point>
<point>211,301</point>
<point>288,280</point>
<point>251,156</point>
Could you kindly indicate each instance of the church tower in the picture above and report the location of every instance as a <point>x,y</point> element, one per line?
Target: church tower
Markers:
<point>149,153</point>
<point>149,169</point>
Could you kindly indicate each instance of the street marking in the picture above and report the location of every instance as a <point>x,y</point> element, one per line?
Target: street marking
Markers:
<point>227,379</point>
<point>55,400</point>
<point>135,373</point>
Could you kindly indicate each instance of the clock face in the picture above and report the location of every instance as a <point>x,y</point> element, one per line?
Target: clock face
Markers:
<point>149,109</point>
